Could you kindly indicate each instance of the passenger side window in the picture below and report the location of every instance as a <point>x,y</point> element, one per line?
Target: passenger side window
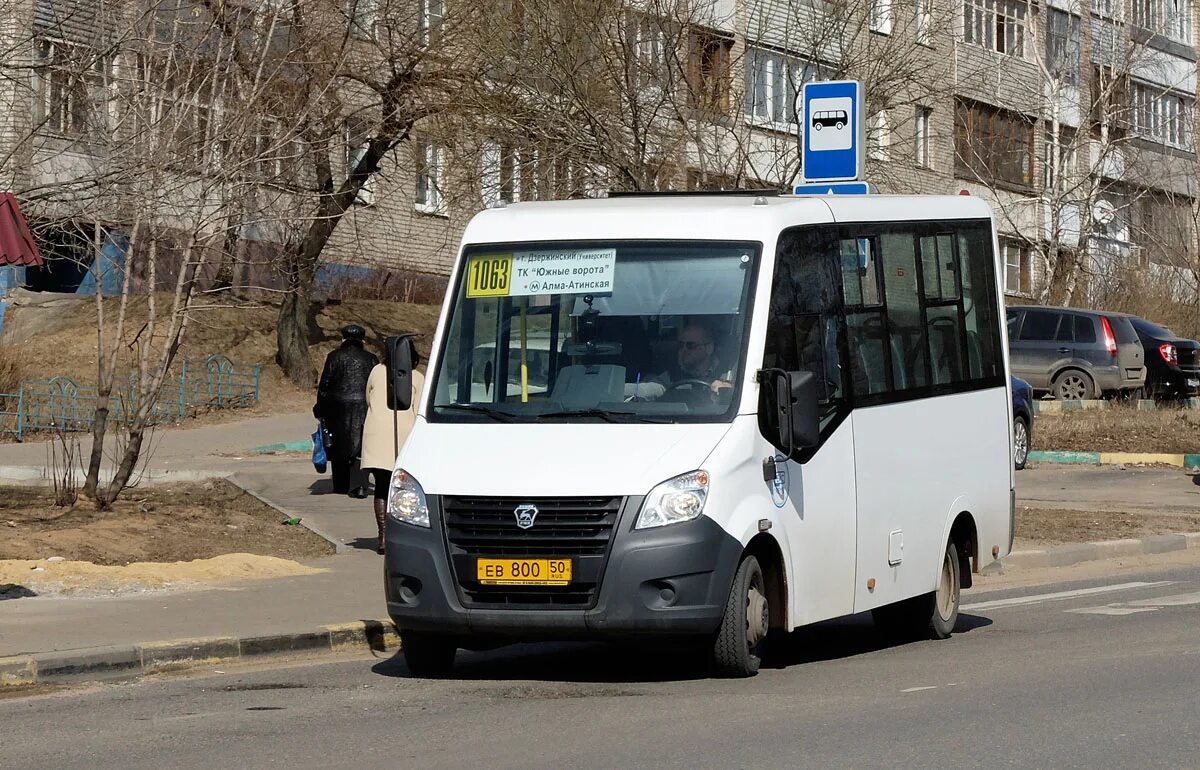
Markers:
<point>980,302</point>
<point>1039,326</point>
<point>1085,329</point>
<point>1066,330</point>
<point>906,332</point>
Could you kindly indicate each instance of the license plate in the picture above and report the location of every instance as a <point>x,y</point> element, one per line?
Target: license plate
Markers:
<point>523,572</point>
<point>1193,383</point>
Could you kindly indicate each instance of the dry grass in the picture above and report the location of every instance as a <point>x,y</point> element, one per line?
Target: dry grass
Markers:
<point>1039,525</point>
<point>12,367</point>
<point>1120,429</point>
<point>61,339</point>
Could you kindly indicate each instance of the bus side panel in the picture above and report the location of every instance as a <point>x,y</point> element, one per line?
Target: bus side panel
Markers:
<point>913,459</point>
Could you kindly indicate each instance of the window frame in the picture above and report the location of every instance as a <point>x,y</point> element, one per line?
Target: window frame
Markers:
<point>989,133</point>
<point>430,156</point>
<point>922,132</point>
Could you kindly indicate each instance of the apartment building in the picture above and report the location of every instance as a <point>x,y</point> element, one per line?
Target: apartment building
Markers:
<point>1075,119</point>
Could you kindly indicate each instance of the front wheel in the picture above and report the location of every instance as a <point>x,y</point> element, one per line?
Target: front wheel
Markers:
<point>428,656</point>
<point>737,650</point>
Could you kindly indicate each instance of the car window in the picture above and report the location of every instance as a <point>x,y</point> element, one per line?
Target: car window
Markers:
<point>1039,326</point>
<point>1014,322</point>
<point>1066,330</point>
<point>1085,329</point>
<point>1151,329</point>
<point>1123,329</point>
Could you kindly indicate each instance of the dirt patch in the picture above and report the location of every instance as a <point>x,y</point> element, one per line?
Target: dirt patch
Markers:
<point>1120,429</point>
<point>243,331</point>
<point>21,578</point>
<point>169,523</point>
<point>1037,526</point>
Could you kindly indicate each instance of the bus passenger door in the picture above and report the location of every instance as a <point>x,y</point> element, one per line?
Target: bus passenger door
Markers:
<point>815,487</point>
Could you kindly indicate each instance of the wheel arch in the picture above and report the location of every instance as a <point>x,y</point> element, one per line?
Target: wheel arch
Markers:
<point>1074,367</point>
<point>766,549</point>
<point>965,535</point>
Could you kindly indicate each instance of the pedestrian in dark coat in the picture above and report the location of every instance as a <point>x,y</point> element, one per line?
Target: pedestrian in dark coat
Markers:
<point>342,408</point>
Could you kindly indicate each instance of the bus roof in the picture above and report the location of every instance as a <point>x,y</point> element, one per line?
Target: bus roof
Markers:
<point>705,217</point>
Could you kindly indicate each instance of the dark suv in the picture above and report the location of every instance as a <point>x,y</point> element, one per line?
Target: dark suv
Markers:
<point>1075,354</point>
<point>1172,362</point>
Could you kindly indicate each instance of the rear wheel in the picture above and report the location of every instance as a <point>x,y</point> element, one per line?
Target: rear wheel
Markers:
<point>1073,385</point>
<point>929,616</point>
<point>1020,442</point>
<point>737,650</point>
<point>428,656</point>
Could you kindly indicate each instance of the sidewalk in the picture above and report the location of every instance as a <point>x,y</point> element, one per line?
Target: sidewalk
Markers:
<point>350,590</point>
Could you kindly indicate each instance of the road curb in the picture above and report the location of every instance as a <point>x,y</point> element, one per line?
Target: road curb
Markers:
<point>338,546</point>
<point>1190,462</point>
<point>1042,406</point>
<point>133,661</point>
<point>1065,556</point>
<point>284,448</point>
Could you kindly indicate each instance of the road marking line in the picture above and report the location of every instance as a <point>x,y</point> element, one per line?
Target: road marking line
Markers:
<point>1141,605</point>
<point>1021,601</point>
<point>918,689</point>
<point>1111,610</point>
<point>1177,600</point>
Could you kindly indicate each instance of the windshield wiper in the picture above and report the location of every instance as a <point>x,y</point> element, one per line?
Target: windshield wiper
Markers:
<point>606,414</point>
<point>496,414</point>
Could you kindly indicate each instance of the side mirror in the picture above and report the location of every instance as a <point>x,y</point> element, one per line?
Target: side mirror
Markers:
<point>789,409</point>
<point>399,372</point>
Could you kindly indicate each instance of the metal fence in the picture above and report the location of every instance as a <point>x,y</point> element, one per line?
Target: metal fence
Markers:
<point>60,403</point>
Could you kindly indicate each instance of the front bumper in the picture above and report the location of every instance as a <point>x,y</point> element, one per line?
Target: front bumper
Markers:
<point>665,581</point>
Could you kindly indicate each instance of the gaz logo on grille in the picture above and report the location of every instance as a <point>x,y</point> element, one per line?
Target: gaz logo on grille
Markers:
<point>525,515</point>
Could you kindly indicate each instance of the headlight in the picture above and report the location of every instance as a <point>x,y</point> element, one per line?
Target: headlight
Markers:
<point>406,500</point>
<point>674,501</point>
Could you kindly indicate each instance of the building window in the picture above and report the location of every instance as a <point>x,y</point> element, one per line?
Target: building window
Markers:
<point>998,25</point>
<point>70,85</point>
<point>924,22</point>
<point>1162,116</point>
<point>879,136</point>
<point>773,86</point>
<point>430,178</point>
<point>1017,278</point>
<point>647,40</point>
<point>356,148</point>
<point>433,12</point>
<point>923,119</point>
<point>1062,166</point>
<point>880,17</point>
<point>1062,46</point>
<point>1171,18</point>
<point>363,15</point>
<point>708,72</point>
<point>992,144</point>
<point>1161,223</point>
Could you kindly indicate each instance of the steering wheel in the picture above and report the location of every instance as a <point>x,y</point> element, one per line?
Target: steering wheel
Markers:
<point>682,383</point>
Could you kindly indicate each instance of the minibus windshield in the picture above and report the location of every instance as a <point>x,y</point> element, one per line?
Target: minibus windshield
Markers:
<point>621,331</point>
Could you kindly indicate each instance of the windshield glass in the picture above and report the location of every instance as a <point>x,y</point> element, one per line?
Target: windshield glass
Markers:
<point>625,331</point>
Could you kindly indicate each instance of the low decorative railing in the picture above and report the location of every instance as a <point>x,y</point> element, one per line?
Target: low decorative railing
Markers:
<point>60,403</point>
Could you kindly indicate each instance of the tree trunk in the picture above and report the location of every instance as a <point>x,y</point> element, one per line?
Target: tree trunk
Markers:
<point>99,430</point>
<point>129,459</point>
<point>292,353</point>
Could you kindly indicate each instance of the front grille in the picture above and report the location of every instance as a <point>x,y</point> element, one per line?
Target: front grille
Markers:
<point>578,528</point>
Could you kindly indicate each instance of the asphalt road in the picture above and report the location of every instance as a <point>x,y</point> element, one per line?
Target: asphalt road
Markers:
<point>1106,674</point>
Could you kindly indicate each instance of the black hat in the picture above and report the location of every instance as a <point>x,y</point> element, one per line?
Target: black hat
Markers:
<point>354,332</point>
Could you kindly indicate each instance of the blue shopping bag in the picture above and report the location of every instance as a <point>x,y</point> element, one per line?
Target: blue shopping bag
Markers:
<point>318,456</point>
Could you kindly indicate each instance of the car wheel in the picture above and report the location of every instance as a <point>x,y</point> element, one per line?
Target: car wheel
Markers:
<point>1073,385</point>
<point>840,125</point>
<point>1020,443</point>
<point>737,650</point>
<point>816,126</point>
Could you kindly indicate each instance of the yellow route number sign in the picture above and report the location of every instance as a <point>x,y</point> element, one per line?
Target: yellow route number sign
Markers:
<point>489,275</point>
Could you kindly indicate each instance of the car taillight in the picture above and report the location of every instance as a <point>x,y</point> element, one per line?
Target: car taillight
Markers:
<point>1168,353</point>
<point>1110,342</point>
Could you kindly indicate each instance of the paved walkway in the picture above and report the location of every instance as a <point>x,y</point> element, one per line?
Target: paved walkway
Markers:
<point>350,589</point>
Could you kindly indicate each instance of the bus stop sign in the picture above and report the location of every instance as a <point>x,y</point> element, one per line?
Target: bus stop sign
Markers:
<point>835,132</point>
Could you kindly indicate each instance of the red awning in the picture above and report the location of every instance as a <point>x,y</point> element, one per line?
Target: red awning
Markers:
<point>16,242</point>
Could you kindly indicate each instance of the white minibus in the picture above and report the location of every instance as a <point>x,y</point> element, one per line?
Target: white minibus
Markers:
<point>716,417</point>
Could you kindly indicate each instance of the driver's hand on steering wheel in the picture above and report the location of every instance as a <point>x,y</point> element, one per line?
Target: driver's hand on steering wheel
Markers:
<point>718,385</point>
